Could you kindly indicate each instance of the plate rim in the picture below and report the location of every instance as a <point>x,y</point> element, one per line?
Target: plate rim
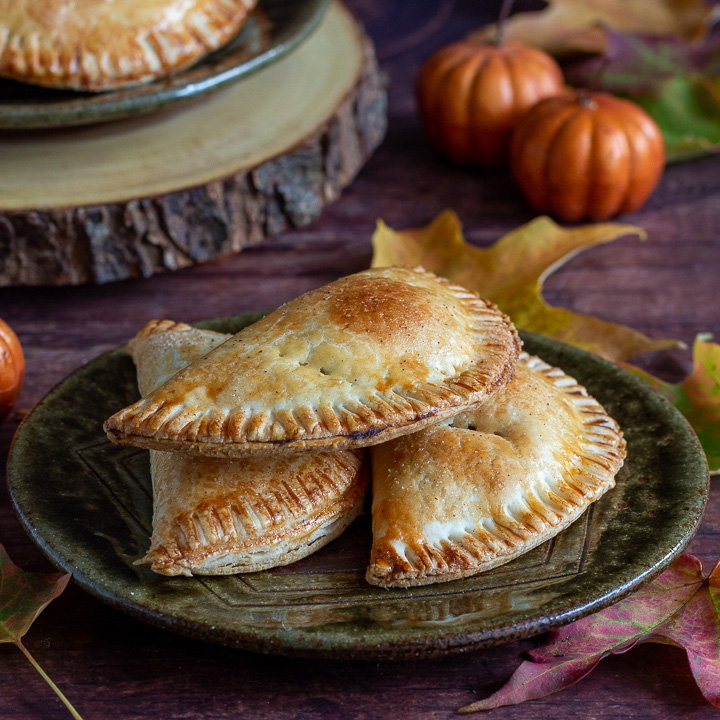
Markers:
<point>297,642</point>
<point>145,99</point>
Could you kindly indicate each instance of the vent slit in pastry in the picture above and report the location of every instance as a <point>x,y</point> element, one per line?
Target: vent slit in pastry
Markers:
<point>449,502</point>
<point>218,516</point>
<point>401,349</point>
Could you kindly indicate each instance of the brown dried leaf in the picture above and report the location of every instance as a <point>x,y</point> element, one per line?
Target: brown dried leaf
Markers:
<point>568,26</point>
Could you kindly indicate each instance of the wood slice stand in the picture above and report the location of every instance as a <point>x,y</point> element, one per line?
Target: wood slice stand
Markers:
<point>166,191</point>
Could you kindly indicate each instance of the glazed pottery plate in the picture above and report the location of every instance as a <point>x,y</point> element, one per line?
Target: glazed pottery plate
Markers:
<point>87,504</point>
<point>273,29</point>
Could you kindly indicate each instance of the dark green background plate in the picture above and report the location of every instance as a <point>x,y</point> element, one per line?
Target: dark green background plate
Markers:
<point>273,29</point>
<point>87,504</point>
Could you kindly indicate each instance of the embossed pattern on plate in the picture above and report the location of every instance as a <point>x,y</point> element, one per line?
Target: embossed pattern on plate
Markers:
<point>273,29</point>
<point>87,504</point>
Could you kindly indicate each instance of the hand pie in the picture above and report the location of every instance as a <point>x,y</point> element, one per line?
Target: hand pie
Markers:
<point>217,517</point>
<point>103,44</point>
<point>477,491</point>
<point>356,362</point>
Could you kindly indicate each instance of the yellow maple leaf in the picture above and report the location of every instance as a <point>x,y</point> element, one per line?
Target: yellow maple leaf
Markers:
<point>511,274</point>
<point>569,26</point>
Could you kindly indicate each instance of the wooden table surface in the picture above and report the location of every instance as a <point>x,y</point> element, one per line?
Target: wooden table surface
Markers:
<point>111,665</point>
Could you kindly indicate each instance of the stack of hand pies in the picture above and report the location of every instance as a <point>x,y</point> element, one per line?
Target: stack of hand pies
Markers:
<point>258,441</point>
<point>92,45</point>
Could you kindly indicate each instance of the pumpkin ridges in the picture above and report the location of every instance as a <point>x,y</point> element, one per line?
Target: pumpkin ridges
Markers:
<point>566,176</point>
<point>531,120</point>
<point>455,125</point>
<point>12,368</point>
<point>549,79</point>
<point>476,140</point>
<point>492,81</point>
<point>645,140</point>
<point>640,184</point>
<point>530,158</point>
<point>429,98</point>
<point>547,84</point>
<point>431,81</point>
<point>479,142</point>
<point>473,121</point>
<point>643,183</point>
<point>545,68</point>
<point>631,195</point>
<point>623,167</point>
<point>435,66</point>
<point>611,168</point>
<point>525,89</point>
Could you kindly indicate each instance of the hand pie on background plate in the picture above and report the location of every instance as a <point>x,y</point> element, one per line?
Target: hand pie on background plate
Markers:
<point>359,361</point>
<point>214,516</point>
<point>105,44</point>
<point>490,484</point>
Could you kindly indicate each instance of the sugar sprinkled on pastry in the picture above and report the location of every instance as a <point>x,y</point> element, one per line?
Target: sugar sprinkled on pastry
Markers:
<point>215,516</point>
<point>103,44</point>
<point>490,484</point>
<point>366,358</point>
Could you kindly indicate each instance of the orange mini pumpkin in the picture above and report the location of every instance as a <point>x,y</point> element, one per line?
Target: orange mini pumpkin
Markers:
<point>12,369</point>
<point>587,155</point>
<point>471,95</point>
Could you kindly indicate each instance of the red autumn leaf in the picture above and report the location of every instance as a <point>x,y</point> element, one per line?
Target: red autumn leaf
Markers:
<point>23,596</point>
<point>680,607</point>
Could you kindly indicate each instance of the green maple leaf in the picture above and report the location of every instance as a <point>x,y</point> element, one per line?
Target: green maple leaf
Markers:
<point>23,596</point>
<point>687,109</point>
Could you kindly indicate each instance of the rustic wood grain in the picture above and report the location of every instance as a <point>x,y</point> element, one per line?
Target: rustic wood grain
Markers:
<point>119,238</point>
<point>110,665</point>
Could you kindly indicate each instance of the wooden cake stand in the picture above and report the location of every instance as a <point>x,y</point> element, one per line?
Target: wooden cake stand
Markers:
<point>156,193</point>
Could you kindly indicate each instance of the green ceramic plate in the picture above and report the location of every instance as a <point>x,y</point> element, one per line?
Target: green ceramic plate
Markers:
<point>273,29</point>
<point>87,504</point>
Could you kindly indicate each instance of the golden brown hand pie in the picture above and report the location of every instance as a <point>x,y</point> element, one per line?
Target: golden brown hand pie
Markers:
<point>356,362</point>
<point>215,517</point>
<point>103,44</point>
<point>490,484</point>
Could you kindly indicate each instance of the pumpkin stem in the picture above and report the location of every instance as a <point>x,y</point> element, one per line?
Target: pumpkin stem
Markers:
<point>598,76</point>
<point>585,99</point>
<point>505,9</point>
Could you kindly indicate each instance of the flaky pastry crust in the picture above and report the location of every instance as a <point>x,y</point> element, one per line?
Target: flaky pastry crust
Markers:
<point>105,44</point>
<point>216,517</point>
<point>364,359</point>
<point>477,491</point>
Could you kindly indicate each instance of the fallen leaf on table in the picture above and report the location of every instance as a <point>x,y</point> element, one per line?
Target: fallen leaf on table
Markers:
<point>676,82</point>
<point>658,53</point>
<point>697,397</point>
<point>680,607</point>
<point>23,596</point>
<point>638,63</point>
<point>511,274</point>
<point>568,26</point>
<point>687,109</point>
